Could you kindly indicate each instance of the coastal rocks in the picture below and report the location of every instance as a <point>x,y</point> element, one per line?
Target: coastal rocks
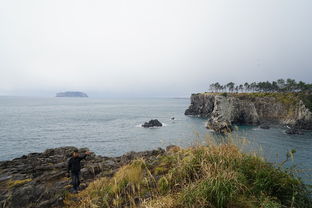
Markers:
<point>202,105</point>
<point>244,109</point>
<point>39,180</point>
<point>173,148</point>
<point>222,127</point>
<point>264,126</point>
<point>71,94</point>
<point>152,123</point>
<point>293,131</point>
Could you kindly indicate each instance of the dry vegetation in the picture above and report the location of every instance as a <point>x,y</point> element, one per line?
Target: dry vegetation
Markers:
<point>213,176</point>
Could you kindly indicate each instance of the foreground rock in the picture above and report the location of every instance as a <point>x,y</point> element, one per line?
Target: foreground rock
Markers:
<point>152,123</point>
<point>39,179</point>
<point>250,109</point>
<point>264,126</point>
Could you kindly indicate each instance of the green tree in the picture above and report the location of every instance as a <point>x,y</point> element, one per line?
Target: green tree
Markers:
<point>230,86</point>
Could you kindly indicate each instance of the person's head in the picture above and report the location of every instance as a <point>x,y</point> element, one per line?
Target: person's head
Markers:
<point>75,153</point>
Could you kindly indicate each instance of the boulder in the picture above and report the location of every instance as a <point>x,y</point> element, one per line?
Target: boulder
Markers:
<point>152,123</point>
<point>222,127</point>
<point>264,126</point>
<point>293,131</point>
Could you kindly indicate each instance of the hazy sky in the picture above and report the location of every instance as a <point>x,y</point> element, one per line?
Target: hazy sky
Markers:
<point>150,47</point>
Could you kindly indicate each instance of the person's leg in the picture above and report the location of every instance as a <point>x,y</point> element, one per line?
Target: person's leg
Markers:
<point>75,181</point>
<point>78,180</point>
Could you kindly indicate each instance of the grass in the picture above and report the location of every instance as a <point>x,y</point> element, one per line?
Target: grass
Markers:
<point>212,176</point>
<point>14,183</point>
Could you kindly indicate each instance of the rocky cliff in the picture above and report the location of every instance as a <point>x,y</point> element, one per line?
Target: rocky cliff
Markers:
<point>223,110</point>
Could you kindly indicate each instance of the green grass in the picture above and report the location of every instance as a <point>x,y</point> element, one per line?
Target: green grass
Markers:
<point>214,176</point>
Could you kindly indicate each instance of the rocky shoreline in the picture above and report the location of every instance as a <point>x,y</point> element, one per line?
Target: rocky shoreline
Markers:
<point>224,110</point>
<point>38,180</point>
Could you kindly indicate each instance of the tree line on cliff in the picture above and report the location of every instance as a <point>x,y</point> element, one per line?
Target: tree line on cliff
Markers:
<point>280,85</point>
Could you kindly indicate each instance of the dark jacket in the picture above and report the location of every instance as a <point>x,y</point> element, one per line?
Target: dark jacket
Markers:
<point>74,164</point>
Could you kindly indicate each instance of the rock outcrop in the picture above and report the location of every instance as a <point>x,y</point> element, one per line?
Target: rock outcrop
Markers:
<point>38,180</point>
<point>71,94</point>
<point>224,111</point>
<point>152,123</point>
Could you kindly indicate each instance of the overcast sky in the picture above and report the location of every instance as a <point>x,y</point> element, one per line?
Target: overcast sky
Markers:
<point>150,47</point>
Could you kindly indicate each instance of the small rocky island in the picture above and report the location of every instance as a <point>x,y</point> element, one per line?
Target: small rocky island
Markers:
<point>71,94</point>
<point>152,123</point>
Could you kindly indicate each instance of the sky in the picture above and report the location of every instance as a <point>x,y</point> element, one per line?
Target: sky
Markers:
<point>150,48</point>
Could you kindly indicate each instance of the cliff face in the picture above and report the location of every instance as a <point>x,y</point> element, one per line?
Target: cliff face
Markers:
<point>249,109</point>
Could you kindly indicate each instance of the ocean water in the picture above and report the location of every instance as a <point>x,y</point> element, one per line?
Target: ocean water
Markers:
<point>112,128</point>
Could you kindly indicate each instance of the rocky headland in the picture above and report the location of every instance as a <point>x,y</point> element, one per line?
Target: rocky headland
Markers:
<point>39,179</point>
<point>223,110</point>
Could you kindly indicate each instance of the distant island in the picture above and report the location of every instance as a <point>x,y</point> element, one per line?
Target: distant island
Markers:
<point>71,94</point>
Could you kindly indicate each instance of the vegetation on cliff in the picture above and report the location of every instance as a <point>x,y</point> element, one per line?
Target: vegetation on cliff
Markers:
<point>213,175</point>
<point>280,85</point>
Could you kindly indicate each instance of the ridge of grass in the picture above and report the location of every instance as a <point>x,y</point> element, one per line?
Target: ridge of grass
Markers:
<point>212,176</point>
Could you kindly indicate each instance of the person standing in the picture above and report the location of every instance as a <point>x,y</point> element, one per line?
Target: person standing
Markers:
<point>74,167</point>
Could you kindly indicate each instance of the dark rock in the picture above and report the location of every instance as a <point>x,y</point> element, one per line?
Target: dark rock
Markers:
<point>152,123</point>
<point>293,131</point>
<point>264,126</point>
<point>222,127</point>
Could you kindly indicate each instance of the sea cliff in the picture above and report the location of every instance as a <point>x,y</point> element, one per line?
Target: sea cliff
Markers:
<point>225,109</point>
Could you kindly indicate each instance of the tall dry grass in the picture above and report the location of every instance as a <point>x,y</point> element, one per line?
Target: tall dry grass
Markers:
<point>214,175</point>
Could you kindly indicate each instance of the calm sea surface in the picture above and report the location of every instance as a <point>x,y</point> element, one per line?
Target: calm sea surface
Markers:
<point>112,128</point>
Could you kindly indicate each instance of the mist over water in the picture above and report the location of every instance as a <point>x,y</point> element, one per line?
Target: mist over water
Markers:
<point>111,127</point>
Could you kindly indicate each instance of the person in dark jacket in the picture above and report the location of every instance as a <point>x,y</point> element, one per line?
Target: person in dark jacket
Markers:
<point>74,168</point>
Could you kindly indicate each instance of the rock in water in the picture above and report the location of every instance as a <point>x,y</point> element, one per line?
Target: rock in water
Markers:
<point>294,131</point>
<point>264,126</point>
<point>222,127</point>
<point>71,94</point>
<point>152,123</point>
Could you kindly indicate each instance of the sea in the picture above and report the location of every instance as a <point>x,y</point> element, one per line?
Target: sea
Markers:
<point>112,127</point>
